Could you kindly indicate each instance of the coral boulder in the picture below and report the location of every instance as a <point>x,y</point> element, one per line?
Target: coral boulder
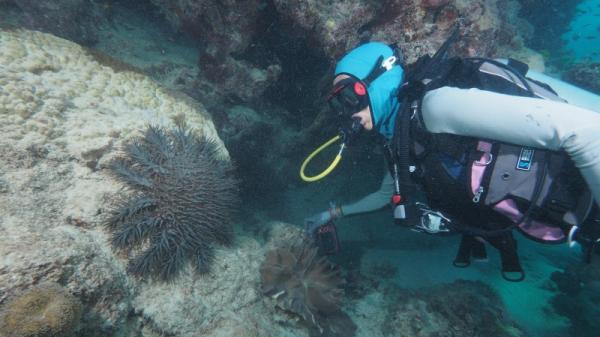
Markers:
<point>43,311</point>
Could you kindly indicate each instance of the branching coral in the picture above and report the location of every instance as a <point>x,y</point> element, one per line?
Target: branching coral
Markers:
<point>181,202</point>
<point>44,311</point>
<point>306,284</point>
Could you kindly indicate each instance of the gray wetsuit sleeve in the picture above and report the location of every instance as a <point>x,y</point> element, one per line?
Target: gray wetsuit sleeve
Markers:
<point>373,201</point>
<point>519,120</point>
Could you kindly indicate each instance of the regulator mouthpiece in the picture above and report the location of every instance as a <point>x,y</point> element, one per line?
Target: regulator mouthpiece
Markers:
<point>349,134</point>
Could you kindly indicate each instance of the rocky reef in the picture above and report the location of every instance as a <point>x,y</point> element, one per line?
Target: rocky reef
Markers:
<point>226,28</point>
<point>585,75</point>
<point>578,295</point>
<point>462,308</point>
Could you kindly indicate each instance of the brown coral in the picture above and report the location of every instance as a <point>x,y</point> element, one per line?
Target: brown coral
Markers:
<point>460,308</point>
<point>304,283</point>
<point>44,311</point>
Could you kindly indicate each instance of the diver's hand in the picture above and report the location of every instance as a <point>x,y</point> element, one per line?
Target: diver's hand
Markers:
<point>312,223</point>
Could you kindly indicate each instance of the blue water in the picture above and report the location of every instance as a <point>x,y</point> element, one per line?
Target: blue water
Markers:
<point>583,37</point>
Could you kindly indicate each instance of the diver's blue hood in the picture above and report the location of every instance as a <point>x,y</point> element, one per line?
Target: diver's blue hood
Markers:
<point>383,91</point>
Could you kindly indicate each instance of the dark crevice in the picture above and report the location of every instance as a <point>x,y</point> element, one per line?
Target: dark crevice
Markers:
<point>303,67</point>
<point>10,15</point>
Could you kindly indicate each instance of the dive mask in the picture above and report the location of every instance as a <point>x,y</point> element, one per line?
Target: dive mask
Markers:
<point>348,97</point>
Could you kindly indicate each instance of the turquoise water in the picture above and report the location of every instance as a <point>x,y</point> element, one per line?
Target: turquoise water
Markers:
<point>583,36</point>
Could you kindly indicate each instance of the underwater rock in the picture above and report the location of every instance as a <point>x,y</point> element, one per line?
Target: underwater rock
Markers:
<point>237,78</point>
<point>62,115</point>
<point>418,27</point>
<point>249,133</point>
<point>200,304</point>
<point>586,76</point>
<point>226,29</point>
<point>461,308</point>
<point>579,297</point>
<point>75,20</point>
<point>434,4</point>
<point>484,27</point>
<point>241,122</point>
<point>332,26</point>
<point>4,186</point>
<point>46,310</point>
<point>227,25</point>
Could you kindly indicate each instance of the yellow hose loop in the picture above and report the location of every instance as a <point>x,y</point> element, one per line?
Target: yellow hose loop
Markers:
<point>328,170</point>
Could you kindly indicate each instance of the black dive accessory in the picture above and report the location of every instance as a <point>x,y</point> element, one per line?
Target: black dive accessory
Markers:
<point>326,239</point>
<point>348,97</point>
<point>404,213</point>
<point>348,133</point>
<point>587,235</point>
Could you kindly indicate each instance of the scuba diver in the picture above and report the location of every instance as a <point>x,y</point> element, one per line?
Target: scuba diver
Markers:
<point>493,147</point>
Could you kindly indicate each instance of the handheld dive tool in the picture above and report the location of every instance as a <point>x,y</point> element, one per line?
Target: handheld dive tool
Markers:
<point>326,239</point>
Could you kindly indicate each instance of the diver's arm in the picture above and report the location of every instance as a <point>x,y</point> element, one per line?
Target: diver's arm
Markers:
<point>373,201</point>
<point>519,120</point>
<point>573,94</point>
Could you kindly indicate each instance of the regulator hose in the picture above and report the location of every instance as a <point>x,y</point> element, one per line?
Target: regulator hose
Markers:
<point>328,170</point>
